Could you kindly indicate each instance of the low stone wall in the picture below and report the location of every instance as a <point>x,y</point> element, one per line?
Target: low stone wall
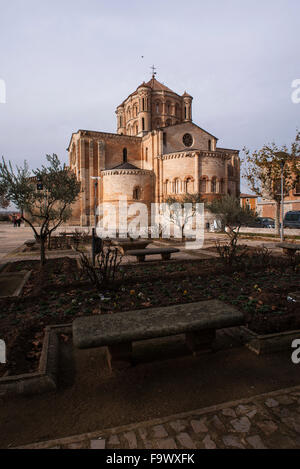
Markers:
<point>45,379</point>
<point>269,231</point>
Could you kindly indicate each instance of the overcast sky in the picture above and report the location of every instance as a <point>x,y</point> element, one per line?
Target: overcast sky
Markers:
<point>68,64</point>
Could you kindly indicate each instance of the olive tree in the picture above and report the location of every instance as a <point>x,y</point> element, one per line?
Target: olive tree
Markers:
<point>44,196</point>
<point>232,216</point>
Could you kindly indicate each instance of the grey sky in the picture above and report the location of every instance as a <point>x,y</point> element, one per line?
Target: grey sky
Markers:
<point>68,64</point>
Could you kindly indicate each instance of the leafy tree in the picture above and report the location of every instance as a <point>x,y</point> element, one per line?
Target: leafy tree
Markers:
<point>44,199</point>
<point>4,203</point>
<point>262,170</point>
<point>177,213</point>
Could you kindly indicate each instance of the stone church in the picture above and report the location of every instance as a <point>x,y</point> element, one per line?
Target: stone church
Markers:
<point>157,152</point>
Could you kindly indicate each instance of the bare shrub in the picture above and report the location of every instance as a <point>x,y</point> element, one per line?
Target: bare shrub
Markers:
<point>106,269</point>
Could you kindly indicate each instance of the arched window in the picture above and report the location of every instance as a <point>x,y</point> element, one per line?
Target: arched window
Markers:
<point>143,123</point>
<point>120,121</point>
<point>203,185</point>
<point>136,129</point>
<point>146,156</point>
<point>214,185</point>
<point>143,104</point>
<point>166,186</point>
<point>222,186</point>
<point>189,186</point>
<point>157,107</point>
<point>124,155</point>
<point>168,108</point>
<point>176,186</point>
<point>136,193</point>
<point>209,145</point>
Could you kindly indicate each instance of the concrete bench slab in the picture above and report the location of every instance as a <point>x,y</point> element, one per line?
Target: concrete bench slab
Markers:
<point>289,246</point>
<point>198,321</point>
<point>140,254</point>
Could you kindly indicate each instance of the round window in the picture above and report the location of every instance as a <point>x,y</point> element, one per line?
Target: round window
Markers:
<point>187,140</point>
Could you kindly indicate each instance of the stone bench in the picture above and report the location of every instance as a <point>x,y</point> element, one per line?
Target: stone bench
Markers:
<point>30,243</point>
<point>198,321</point>
<point>289,248</point>
<point>140,254</point>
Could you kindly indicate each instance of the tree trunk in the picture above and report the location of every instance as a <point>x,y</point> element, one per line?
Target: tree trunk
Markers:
<point>277,219</point>
<point>43,256</point>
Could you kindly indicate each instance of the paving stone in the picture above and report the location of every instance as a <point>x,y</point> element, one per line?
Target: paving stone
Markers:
<point>229,412</point>
<point>271,402</point>
<point>217,423</point>
<point>267,426</point>
<point>292,422</point>
<point>241,425</point>
<point>97,444</point>
<point>232,442</point>
<point>256,442</point>
<point>159,431</point>
<point>165,443</point>
<point>131,439</point>
<point>209,443</point>
<point>244,409</point>
<point>252,414</point>
<point>143,434</point>
<point>114,440</point>
<point>199,426</point>
<point>178,425</point>
<point>281,411</point>
<point>185,440</point>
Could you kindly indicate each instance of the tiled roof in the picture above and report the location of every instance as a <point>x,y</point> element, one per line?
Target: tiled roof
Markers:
<point>157,86</point>
<point>125,166</point>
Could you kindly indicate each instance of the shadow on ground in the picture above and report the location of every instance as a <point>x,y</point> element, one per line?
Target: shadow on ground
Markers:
<point>165,380</point>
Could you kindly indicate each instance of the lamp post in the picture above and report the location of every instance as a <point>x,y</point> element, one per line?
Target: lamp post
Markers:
<point>282,200</point>
<point>283,157</point>
<point>95,246</point>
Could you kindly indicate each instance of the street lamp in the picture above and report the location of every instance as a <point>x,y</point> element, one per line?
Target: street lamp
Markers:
<point>96,247</point>
<point>283,156</point>
<point>282,200</point>
<point>95,178</point>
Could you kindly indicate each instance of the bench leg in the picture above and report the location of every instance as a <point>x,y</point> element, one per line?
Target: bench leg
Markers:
<point>165,256</point>
<point>200,341</point>
<point>120,353</point>
<point>141,258</point>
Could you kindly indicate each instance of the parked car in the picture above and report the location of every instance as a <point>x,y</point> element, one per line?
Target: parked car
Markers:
<point>262,222</point>
<point>267,222</point>
<point>292,219</point>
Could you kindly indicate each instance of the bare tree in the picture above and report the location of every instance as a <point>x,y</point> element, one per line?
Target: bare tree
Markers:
<point>177,212</point>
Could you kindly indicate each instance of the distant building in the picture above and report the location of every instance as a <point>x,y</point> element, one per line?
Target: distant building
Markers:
<point>267,207</point>
<point>250,200</point>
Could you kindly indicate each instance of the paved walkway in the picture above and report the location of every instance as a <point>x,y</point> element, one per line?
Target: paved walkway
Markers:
<point>269,420</point>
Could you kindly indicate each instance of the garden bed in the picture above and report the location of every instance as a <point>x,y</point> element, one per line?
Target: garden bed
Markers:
<point>59,295</point>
